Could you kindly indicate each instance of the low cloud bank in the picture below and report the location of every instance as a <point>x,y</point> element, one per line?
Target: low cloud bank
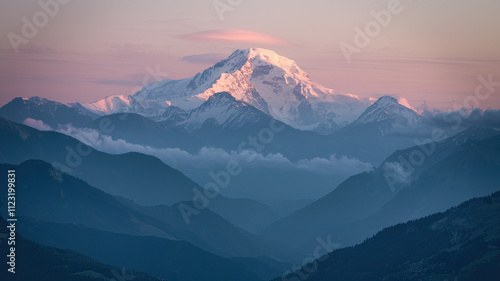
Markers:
<point>208,158</point>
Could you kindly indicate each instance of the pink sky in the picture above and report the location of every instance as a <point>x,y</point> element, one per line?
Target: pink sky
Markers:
<point>430,52</point>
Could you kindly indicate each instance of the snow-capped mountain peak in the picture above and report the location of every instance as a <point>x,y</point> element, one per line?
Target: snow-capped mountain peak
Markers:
<point>125,104</point>
<point>110,104</point>
<point>386,100</point>
<point>259,56</point>
<point>37,100</point>
<point>386,108</point>
<point>273,84</point>
<point>221,109</point>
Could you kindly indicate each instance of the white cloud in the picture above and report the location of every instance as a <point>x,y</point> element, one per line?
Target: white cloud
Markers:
<point>404,102</point>
<point>396,173</point>
<point>37,124</point>
<point>209,157</point>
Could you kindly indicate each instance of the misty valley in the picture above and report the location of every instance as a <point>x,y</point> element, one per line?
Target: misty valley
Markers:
<point>249,171</point>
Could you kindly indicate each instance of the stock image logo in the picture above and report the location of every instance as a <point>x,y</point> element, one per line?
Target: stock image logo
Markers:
<point>249,140</point>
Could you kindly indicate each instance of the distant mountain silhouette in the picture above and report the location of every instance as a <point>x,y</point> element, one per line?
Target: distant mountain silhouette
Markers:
<point>144,179</point>
<point>50,112</point>
<point>171,259</point>
<point>462,243</point>
<point>38,262</point>
<point>53,196</point>
<point>460,167</point>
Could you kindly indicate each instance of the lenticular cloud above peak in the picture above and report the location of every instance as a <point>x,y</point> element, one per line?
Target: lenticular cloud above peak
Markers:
<point>274,84</point>
<point>237,35</point>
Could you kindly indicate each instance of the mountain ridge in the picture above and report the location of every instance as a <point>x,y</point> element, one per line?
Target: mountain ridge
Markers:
<point>461,243</point>
<point>349,206</point>
<point>387,107</point>
<point>271,83</point>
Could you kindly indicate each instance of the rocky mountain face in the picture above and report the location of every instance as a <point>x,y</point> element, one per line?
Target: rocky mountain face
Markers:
<point>269,82</point>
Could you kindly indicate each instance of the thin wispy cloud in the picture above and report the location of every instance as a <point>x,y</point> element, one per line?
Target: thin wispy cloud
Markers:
<point>237,35</point>
<point>204,58</point>
<point>116,82</point>
<point>129,48</point>
<point>207,157</point>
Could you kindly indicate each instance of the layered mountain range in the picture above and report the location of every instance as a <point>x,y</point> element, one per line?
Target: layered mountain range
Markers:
<point>239,172</point>
<point>459,244</point>
<point>209,111</point>
<point>271,83</point>
<point>456,169</point>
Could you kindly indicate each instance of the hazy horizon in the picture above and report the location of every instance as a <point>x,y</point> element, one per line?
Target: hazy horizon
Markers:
<point>228,140</point>
<point>427,53</point>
